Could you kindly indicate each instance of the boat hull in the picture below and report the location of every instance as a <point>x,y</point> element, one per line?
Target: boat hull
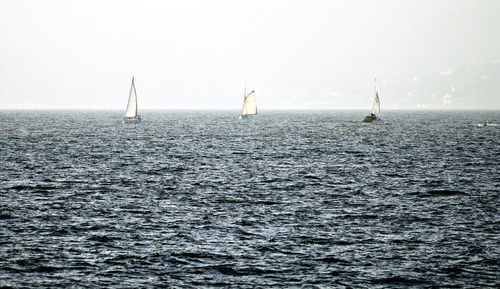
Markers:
<point>132,120</point>
<point>370,118</point>
<point>247,116</point>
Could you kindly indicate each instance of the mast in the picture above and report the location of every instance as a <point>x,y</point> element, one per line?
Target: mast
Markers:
<point>244,97</point>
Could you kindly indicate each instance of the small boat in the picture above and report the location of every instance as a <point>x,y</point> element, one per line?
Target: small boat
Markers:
<point>487,124</point>
<point>249,104</point>
<point>131,113</point>
<point>374,116</point>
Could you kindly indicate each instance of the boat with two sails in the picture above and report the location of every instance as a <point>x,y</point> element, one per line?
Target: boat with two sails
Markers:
<point>131,113</point>
<point>374,116</point>
<point>249,104</point>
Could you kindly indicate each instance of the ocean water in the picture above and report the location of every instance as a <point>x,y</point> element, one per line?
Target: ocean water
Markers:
<point>285,199</point>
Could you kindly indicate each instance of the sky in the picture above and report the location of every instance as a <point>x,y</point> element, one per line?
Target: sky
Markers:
<point>200,54</point>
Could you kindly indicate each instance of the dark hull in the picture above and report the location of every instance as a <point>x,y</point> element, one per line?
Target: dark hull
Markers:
<point>369,118</point>
<point>132,120</point>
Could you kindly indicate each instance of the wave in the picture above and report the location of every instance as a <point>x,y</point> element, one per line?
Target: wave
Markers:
<point>439,193</point>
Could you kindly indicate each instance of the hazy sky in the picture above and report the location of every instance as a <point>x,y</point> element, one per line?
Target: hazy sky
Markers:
<point>294,54</point>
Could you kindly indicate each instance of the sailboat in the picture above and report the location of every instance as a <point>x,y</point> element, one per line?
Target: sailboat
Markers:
<point>375,114</point>
<point>131,113</point>
<point>249,104</point>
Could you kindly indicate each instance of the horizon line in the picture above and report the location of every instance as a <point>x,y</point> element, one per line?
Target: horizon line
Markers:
<point>261,109</point>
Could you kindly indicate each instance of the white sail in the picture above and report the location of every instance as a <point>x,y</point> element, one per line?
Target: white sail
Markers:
<point>376,106</point>
<point>132,102</point>
<point>376,103</point>
<point>249,104</point>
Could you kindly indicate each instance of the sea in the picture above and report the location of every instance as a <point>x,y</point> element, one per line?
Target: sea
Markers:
<point>285,199</point>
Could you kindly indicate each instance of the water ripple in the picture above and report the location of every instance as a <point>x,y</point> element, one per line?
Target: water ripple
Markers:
<point>304,199</point>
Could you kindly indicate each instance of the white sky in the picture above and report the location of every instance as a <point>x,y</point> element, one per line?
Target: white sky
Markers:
<point>296,54</point>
